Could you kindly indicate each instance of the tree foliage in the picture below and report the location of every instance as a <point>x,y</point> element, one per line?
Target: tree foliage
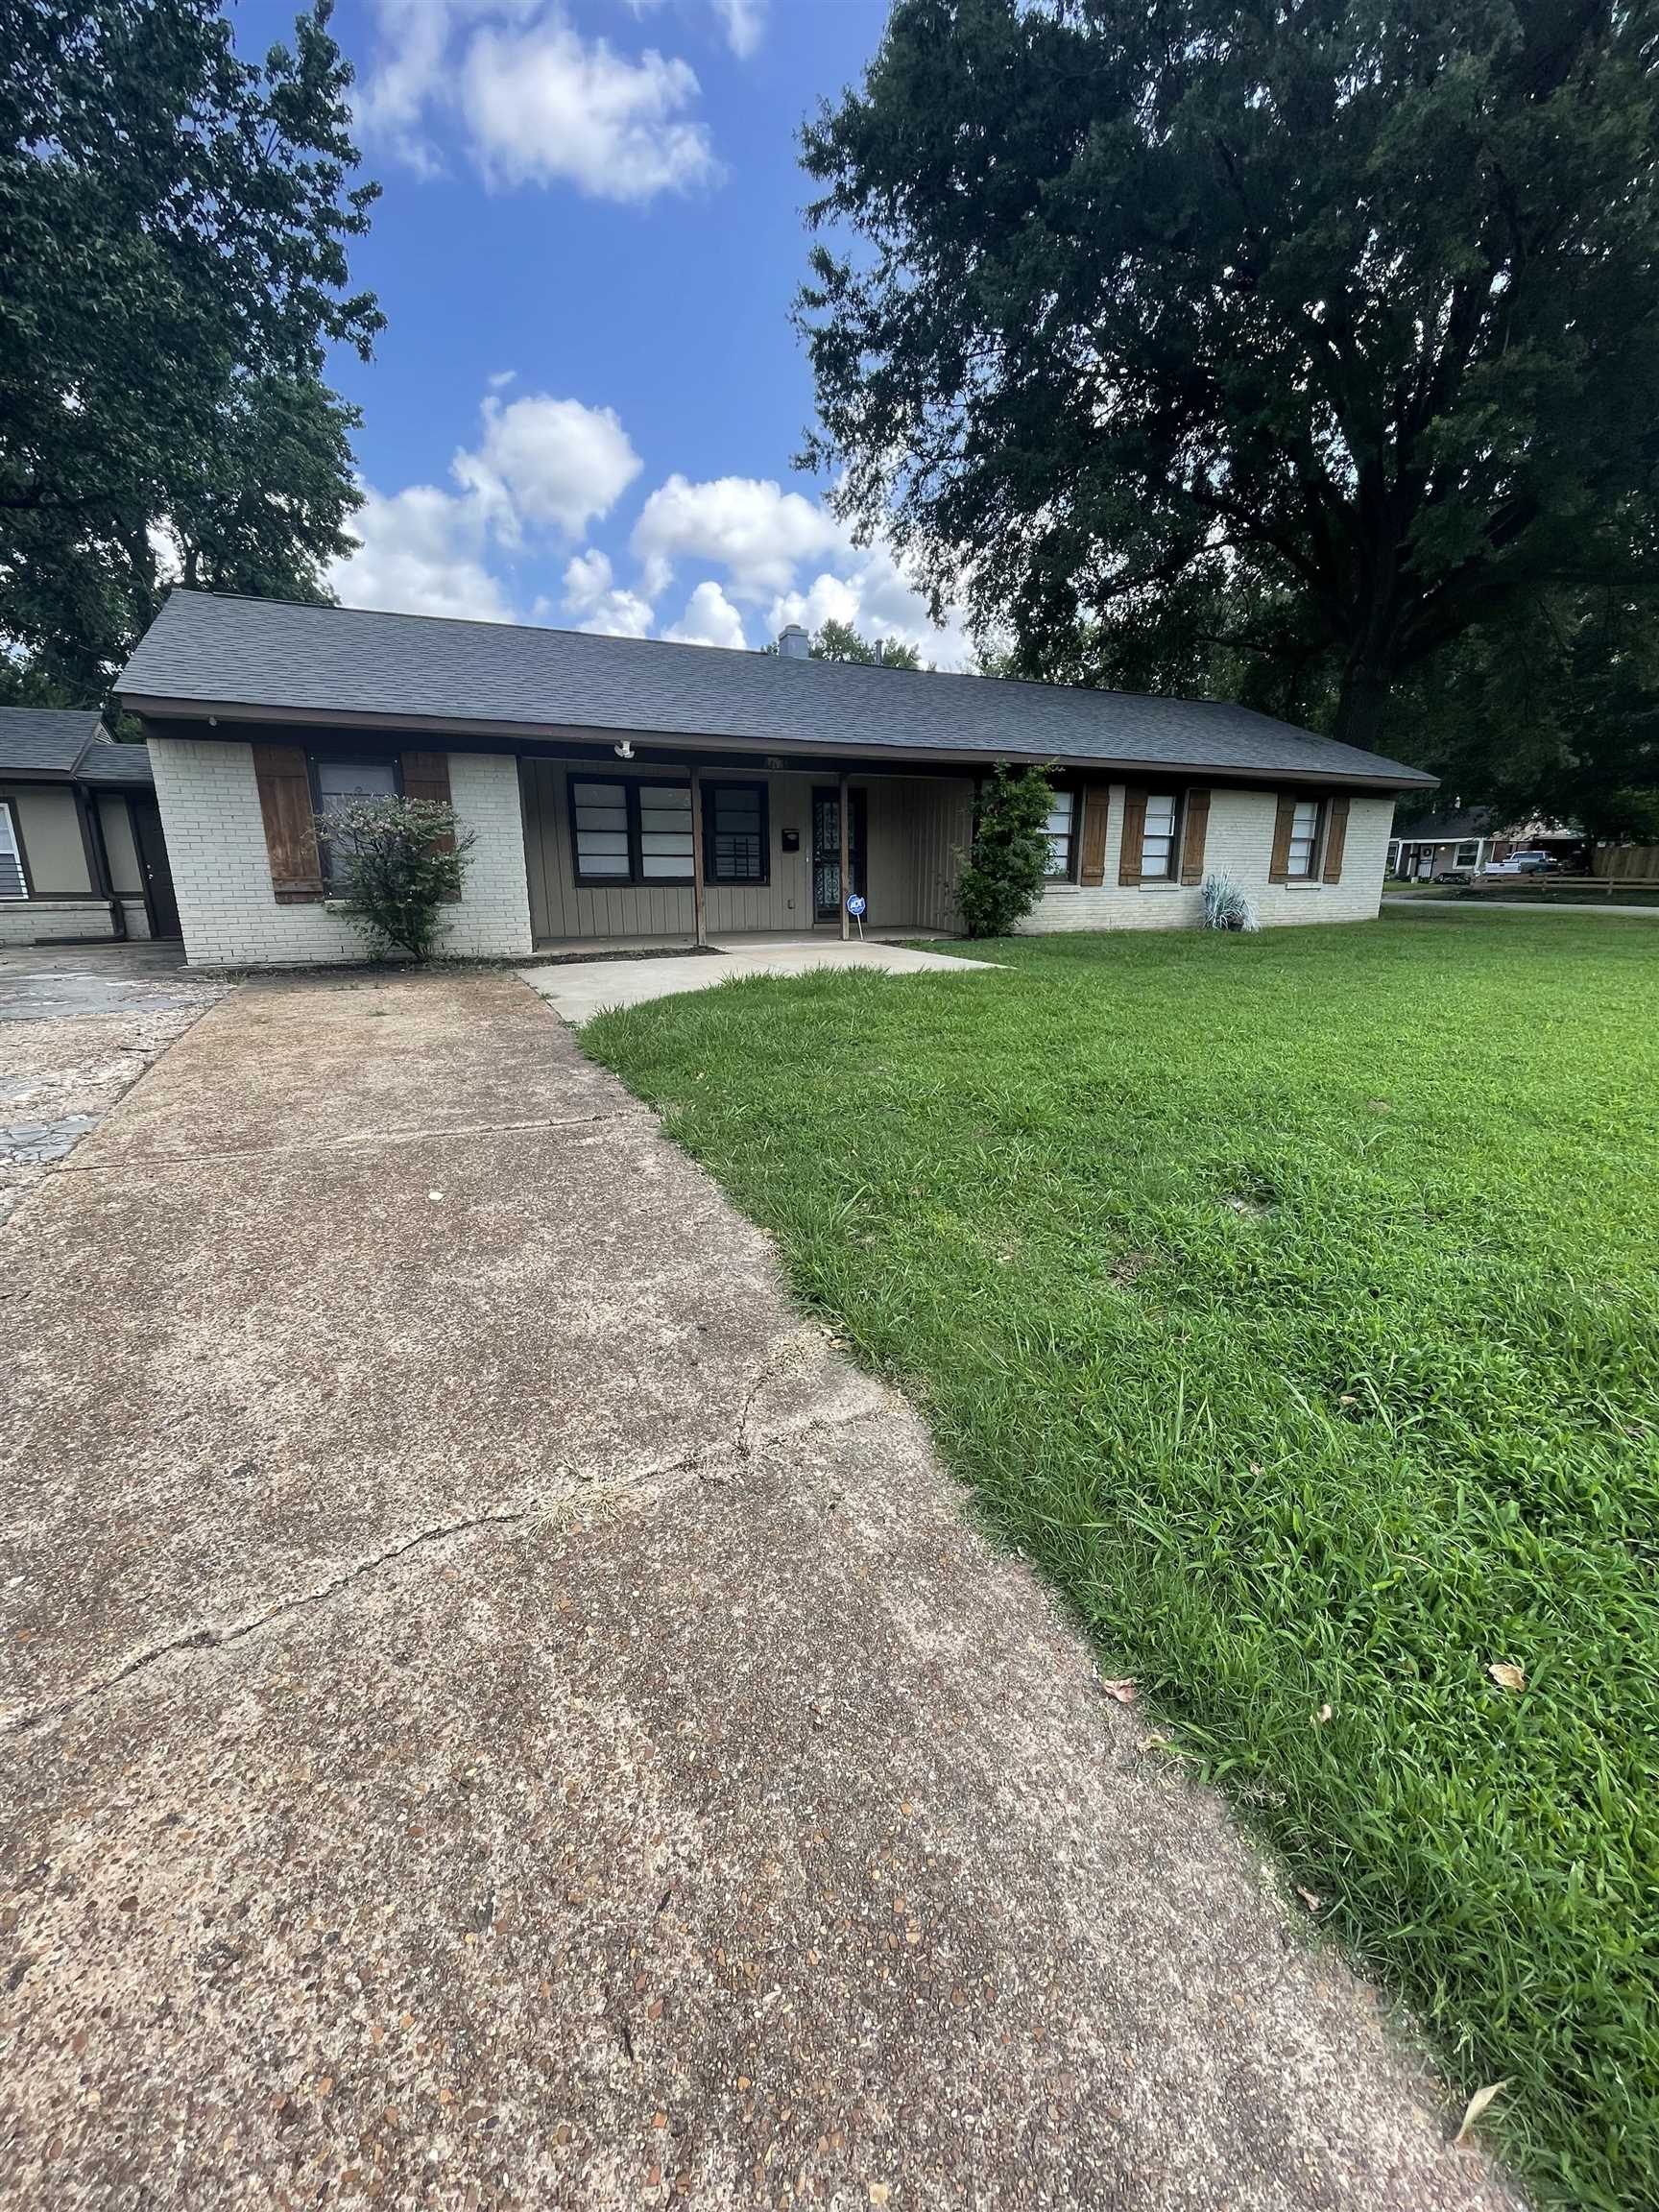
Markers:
<point>1312,336</point>
<point>1003,871</point>
<point>401,862</point>
<point>174,226</point>
<point>840,642</point>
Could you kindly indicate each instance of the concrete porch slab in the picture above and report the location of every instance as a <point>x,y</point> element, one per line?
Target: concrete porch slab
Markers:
<point>580,990</point>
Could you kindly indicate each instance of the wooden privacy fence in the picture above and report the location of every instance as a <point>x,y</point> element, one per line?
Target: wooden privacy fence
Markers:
<point>1628,863</point>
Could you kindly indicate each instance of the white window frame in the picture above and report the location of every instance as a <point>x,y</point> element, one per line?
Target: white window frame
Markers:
<point>1170,872</point>
<point>1065,836</point>
<point>11,848</point>
<point>1313,840</point>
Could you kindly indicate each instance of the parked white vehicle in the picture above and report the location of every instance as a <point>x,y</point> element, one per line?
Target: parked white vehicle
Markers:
<point>1519,864</point>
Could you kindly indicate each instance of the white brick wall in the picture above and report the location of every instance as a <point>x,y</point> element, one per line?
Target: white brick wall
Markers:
<point>1240,842</point>
<point>209,803</point>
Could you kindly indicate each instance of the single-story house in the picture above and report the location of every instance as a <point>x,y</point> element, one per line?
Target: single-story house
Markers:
<point>83,854</point>
<point>622,789</point>
<point>1462,840</point>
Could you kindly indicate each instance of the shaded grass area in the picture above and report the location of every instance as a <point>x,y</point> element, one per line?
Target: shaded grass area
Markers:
<point>1294,1302</point>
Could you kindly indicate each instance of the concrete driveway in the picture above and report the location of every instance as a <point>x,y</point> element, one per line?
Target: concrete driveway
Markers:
<point>499,1713</point>
<point>79,1024</point>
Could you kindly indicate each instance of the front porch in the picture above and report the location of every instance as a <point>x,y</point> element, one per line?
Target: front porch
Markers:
<point>584,985</point>
<point>629,857</point>
<point>554,952</point>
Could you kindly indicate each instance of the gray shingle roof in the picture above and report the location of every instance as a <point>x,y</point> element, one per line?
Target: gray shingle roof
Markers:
<point>336,661</point>
<point>122,764</point>
<point>45,740</point>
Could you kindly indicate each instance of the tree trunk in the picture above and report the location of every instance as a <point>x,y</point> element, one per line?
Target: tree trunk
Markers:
<point>1363,705</point>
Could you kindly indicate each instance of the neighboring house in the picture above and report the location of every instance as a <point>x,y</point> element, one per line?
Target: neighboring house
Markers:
<point>621,788</point>
<point>1462,840</point>
<point>81,850</point>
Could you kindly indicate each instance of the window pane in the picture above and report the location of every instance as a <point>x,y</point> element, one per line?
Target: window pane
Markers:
<point>1305,821</point>
<point>338,780</point>
<point>599,830</point>
<point>737,848</point>
<point>12,884</point>
<point>614,864</point>
<point>1157,841</point>
<point>662,867</point>
<point>1060,814</point>
<point>1155,854</point>
<point>1301,855</point>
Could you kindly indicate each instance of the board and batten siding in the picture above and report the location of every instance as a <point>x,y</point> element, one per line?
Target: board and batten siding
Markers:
<point>911,823</point>
<point>1238,842</point>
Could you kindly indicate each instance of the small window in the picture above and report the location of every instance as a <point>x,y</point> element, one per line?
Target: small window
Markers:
<point>1158,837</point>
<point>13,883</point>
<point>599,830</point>
<point>335,783</point>
<point>664,832</point>
<point>1061,829</point>
<point>630,832</point>
<point>1304,840</point>
<point>1468,853</point>
<point>735,833</point>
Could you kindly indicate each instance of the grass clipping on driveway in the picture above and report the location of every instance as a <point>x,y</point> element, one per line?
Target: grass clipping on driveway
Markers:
<point>1294,1302</point>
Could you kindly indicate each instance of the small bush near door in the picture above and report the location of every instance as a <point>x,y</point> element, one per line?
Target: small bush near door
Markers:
<point>1003,873</point>
<point>396,864</point>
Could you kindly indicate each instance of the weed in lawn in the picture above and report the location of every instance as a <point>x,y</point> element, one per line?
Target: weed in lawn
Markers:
<point>1294,1303</point>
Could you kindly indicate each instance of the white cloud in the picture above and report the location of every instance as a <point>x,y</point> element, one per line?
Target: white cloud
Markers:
<point>421,552</point>
<point>594,601</point>
<point>758,533</point>
<point>867,589</point>
<point>548,463</point>
<point>709,619</point>
<point>501,379</point>
<point>544,468</point>
<point>742,21</point>
<point>539,102</point>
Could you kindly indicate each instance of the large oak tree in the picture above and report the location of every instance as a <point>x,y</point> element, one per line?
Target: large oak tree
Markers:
<point>174,227</point>
<point>1311,332</point>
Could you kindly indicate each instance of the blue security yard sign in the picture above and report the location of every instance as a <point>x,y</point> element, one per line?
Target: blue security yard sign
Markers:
<point>856,907</point>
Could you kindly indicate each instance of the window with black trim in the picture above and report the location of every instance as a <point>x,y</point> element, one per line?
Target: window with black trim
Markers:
<point>736,833</point>
<point>627,831</point>
<point>14,880</point>
<point>1061,830</point>
<point>336,784</point>
<point>1158,836</point>
<point>1306,821</point>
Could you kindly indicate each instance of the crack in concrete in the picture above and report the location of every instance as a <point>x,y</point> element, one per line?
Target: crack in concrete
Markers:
<point>542,1512</point>
<point>344,1145</point>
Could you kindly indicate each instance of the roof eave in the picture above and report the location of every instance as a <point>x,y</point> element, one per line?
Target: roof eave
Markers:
<point>481,731</point>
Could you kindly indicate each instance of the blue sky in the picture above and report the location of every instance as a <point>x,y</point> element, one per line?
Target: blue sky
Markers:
<point>586,404</point>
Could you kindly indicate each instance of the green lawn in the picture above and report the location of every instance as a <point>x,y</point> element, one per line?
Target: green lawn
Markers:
<point>1293,1301</point>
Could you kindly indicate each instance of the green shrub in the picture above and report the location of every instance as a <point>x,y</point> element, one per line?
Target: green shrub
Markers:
<point>1003,871</point>
<point>398,862</point>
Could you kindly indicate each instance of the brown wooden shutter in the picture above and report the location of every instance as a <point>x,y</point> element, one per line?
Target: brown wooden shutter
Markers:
<point>1193,830</point>
<point>1279,867</point>
<point>1096,807</point>
<point>427,775</point>
<point>1134,833</point>
<point>290,826</point>
<point>1336,837</point>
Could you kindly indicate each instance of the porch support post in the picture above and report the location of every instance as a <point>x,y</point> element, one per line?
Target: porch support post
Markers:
<point>697,857</point>
<point>846,853</point>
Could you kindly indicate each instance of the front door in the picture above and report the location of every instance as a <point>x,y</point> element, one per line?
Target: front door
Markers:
<point>827,850</point>
<point>159,903</point>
